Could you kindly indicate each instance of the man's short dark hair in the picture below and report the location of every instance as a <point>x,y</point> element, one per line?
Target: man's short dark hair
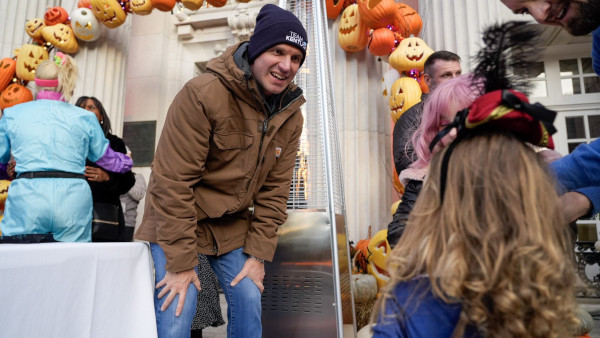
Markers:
<point>439,55</point>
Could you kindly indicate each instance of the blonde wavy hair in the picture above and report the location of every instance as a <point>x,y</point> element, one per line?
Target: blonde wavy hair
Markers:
<point>496,244</point>
<point>66,74</point>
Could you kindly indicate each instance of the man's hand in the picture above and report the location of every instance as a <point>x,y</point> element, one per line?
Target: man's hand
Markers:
<point>574,205</point>
<point>254,270</point>
<point>177,283</point>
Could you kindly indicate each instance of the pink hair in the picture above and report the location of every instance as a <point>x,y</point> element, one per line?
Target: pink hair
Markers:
<point>459,89</point>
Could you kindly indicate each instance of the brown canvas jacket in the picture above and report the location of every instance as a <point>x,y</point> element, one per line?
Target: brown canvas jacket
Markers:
<point>217,156</point>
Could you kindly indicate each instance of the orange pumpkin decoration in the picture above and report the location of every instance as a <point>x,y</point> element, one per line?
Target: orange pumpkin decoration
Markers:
<point>243,1</point>
<point>163,5</point>
<point>8,67</point>
<point>334,8</point>
<point>377,13</point>
<point>56,15</point>
<point>381,42</point>
<point>217,3</point>
<point>192,4</point>
<point>14,94</point>
<point>84,4</point>
<point>354,33</point>
<point>408,21</point>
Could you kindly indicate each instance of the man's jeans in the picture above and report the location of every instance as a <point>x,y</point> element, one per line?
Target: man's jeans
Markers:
<point>243,300</point>
<point>169,325</point>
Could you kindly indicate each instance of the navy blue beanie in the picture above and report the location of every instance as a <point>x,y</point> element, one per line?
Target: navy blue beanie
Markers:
<point>275,25</point>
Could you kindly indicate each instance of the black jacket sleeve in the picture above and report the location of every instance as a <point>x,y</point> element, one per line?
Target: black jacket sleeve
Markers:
<point>396,227</point>
<point>402,136</point>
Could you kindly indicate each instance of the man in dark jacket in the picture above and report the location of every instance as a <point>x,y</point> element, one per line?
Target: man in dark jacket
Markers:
<point>222,173</point>
<point>439,67</point>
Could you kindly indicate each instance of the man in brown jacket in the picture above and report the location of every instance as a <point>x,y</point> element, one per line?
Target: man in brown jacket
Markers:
<point>222,173</point>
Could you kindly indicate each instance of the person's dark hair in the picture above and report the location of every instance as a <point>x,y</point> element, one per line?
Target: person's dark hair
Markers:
<point>439,55</point>
<point>105,120</point>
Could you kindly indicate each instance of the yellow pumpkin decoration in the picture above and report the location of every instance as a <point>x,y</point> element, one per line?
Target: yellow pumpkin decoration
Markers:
<point>405,93</point>
<point>14,94</point>
<point>108,12</point>
<point>62,37</point>
<point>353,34</point>
<point>378,250</point>
<point>29,58</point>
<point>377,13</point>
<point>4,185</point>
<point>141,7</point>
<point>192,4</point>
<point>34,28</point>
<point>410,54</point>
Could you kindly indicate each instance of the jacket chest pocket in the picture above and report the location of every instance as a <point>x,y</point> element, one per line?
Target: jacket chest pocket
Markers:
<point>230,145</point>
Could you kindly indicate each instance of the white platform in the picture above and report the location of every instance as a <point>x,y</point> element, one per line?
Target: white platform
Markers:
<point>76,290</point>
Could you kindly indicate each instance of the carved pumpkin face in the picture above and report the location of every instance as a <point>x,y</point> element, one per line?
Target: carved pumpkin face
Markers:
<point>14,94</point>
<point>8,67</point>
<point>62,37</point>
<point>194,4</point>
<point>378,249</point>
<point>163,5</point>
<point>34,28</point>
<point>85,25</point>
<point>408,21</point>
<point>353,34</point>
<point>108,12</point>
<point>405,93</point>
<point>377,13</point>
<point>29,58</point>
<point>334,7</point>
<point>410,54</point>
<point>56,15</point>
<point>381,41</point>
<point>141,7</point>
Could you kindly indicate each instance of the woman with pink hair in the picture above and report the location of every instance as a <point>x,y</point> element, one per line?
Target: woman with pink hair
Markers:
<point>439,110</point>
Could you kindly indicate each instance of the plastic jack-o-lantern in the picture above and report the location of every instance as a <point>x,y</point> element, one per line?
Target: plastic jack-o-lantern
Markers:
<point>108,12</point>
<point>217,3</point>
<point>141,7</point>
<point>14,94</point>
<point>410,54</point>
<point>34,28</point>
<point>29,58</point>
<point>353,34</point>
<point>377,13</point>
<point>408,21</point>
<point>192,4</point>
<point>378,250</point>
<point>8,68</point>
<point>382,42</point>
<point>85,25</point>
<point>404,94</point>
<point>4,185</point>
<point>334,8</point>
<point>56,15</point>
<point>62,37</point>
<point>388,79</point>
<point>163,5</point>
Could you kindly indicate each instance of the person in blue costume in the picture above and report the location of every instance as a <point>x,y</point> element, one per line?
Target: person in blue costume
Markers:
<point>50,140</point>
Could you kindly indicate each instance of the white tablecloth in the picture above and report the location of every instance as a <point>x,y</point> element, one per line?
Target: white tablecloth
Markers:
<point>76,290</point>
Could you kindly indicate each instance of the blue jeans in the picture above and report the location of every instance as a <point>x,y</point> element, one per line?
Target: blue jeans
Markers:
<point>243,300</point>
<point>167,324</point>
